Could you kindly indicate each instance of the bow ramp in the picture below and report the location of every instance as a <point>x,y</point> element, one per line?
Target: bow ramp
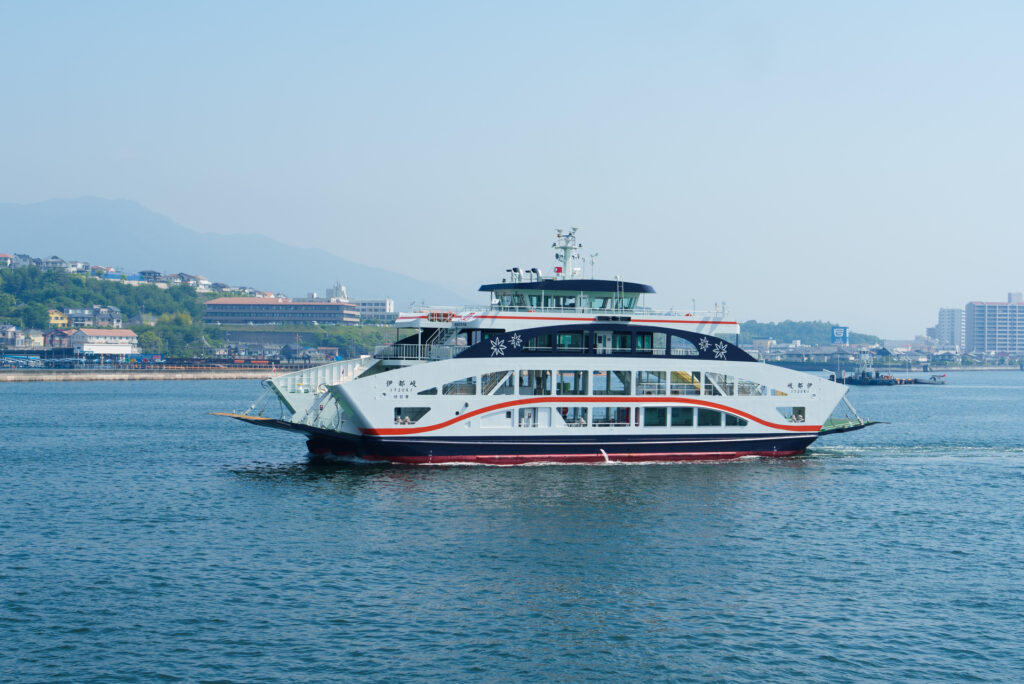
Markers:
<point>306,398</point>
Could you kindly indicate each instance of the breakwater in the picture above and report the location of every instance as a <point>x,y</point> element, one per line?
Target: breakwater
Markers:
<point>81,375</point>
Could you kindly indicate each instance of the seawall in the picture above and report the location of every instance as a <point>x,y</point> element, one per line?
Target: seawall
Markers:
<point>75,375</point>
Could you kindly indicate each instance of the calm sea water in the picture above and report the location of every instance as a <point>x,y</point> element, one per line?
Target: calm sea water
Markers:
<point>142,540</point>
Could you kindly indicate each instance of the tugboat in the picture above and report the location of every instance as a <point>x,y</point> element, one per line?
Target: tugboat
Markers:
<point>867,375</point>
<point>555,369</point>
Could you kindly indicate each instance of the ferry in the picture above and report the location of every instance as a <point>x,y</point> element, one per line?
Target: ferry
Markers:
<point>556,369</point>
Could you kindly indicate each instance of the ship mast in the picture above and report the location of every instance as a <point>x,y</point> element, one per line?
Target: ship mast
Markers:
<point>566,252</point>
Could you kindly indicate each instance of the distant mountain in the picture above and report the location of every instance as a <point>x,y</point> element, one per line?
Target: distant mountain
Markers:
<point>125,234</point>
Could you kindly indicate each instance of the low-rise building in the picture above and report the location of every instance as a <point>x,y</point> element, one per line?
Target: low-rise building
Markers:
<point>57,339</point>
<point>376,310</point>
<point>6,260</point>
<point>100,341</point>
<point>10,335</point>
<point>278,311</point>
<point>95,316</point>
<point>58,319</point>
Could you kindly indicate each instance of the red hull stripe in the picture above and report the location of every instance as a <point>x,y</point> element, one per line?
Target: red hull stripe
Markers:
<point>516,459</point>
<point>585,400</point>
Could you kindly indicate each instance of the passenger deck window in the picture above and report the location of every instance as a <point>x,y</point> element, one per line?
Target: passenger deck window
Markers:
<point>717,384</point>
<point>655,416</point>
<point>682,416</point>
<point>534,382</point>
<point>622,342</point>
<point>683,383</point>
<point>409,415</point>
<point>610,416</point>
<point>650,382</point>
<point>612,382</point>
<point>570,341</point>
<point>572,382</point>
<point>463,386</point>
<point>749,388</point>
<point>708,417</point>
<point>574,416</point>
<point>496,383</point>
<point>539,343</point>
<point>534,416</point>
<point>680,346</point>
<point>794,414</point>
<point>734,420</point>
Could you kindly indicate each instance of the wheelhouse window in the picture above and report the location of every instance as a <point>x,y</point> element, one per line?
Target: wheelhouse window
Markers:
<point>612,382</point>
<point>574,416</point>
<point>463,386</point>
<point>683,383</point>
<point>497,383</point>
<point>655,416</point>
<point>572,382</point>
<point>650,382</point>
<point>534,382</point>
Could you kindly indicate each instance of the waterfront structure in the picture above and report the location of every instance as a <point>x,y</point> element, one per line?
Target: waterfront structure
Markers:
<point>279,311</point>
<point>58,319</point>
<point>104,341</point>
<point>996,327</point>
<point>10,336</point>
<point>57,339</point>
<point>376,310</point>
<point>559,369</point>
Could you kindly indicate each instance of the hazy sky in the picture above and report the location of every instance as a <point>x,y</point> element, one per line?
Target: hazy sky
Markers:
<point>859,162</point>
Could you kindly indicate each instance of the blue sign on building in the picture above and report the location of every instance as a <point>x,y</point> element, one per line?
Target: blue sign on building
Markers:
<point>840,335</point>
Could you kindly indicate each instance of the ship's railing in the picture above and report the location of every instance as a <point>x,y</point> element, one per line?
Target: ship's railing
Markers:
<point>313,380</point>
<point>424,352</point>
<point>459,314</point>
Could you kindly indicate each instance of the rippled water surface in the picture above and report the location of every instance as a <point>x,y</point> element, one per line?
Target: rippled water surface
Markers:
<point>141,540</point>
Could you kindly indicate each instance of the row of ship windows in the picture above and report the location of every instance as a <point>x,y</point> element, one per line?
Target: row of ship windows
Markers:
<point>605,416</point>
<point>604,383</point>
<point>592,416</point>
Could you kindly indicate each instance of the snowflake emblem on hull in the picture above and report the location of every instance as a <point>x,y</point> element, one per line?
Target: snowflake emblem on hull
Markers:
<point>703,344</point>
<point>497,347</point>
<point>515,341</point>
<point>720,350</point>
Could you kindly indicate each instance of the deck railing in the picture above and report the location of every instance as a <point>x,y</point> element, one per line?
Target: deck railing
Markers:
<point>409,352</point>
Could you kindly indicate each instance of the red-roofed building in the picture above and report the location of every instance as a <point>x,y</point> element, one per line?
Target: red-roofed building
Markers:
<point>104,341</point>
<point>279,311</point>
<point>6,260</point>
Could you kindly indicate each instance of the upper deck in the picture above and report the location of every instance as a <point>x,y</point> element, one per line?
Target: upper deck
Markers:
<point>526,299</point>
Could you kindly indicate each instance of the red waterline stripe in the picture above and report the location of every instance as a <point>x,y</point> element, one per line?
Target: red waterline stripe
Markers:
<point>586,400</point>
<point>514,459</point>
